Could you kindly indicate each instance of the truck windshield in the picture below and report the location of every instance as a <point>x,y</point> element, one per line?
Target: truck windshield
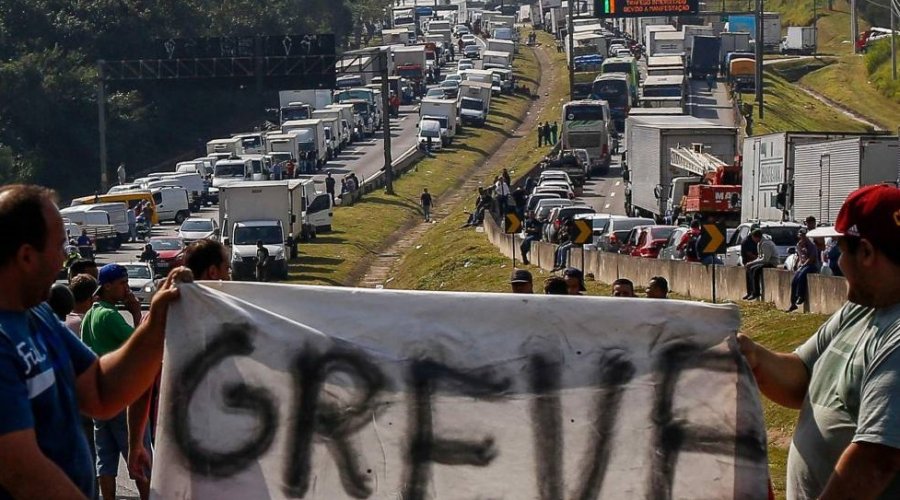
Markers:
<point>230,170</point>
<point>347,95</point>
<point>249,235</point>
<point>347,82</point>
<point>413,72</point>
<point>361,108</point>
<point>471,104</point>
<point>299,113</point>
<point>440,119</point>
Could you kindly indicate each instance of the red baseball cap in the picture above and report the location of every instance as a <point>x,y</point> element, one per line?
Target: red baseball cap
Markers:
<point>870,212</point>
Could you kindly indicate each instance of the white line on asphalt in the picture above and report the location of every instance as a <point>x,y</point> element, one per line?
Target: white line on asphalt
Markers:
<point>605,207</point>
<point>611,195</point>
<point>618,182</point>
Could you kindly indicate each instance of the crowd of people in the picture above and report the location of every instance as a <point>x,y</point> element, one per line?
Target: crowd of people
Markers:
<point>67,353</point>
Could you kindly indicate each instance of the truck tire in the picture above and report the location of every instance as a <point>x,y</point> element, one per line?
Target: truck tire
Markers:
<point>181,216</point>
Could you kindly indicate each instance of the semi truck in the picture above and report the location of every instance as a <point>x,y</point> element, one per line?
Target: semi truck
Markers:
<point>768,172</point>
<point>663,43</point>
<point>747,23</point>
<point>825,173</point>
<point>704,57</point>
<point>648,170</point>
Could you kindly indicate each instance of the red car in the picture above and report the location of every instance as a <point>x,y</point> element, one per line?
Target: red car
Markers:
<point>170,250</point>
<point>646,241</point>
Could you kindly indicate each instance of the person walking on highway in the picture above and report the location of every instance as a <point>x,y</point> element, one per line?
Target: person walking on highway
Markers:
<point>710,81</point>
<point>427,203</point>
<point>147,214</point>
<point>262,261</point>
<point>553,131</point>
<point>329,186</point>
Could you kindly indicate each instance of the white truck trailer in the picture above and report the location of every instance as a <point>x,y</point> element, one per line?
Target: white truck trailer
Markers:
<point>444,110</point>
<point>314,141</point>
<point>649,169</point>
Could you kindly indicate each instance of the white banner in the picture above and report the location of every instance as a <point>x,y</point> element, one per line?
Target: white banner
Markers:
<point>276,391</point>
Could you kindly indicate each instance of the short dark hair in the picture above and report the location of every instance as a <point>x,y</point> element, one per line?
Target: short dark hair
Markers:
<point>623,281</point>
<point>662,282</point>
<point>61,300</point>
<point>201,254</point>
<point>757,233</point>
<point>22,220</point>
<point>695,224</point>
<point>556,285</point>
<point>83,287</point>
<point>81,266</point>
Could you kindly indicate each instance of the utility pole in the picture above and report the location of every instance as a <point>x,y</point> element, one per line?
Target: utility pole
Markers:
<point>759,57</point>
<point>570,29</point>
<point>854,28</point>
<point>101,115</point>
<point>815,28</point>
<point>894,8</point>
<point>386,122</point>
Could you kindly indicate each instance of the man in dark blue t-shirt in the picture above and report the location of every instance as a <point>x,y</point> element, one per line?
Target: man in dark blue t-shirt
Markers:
<point>47,377</point>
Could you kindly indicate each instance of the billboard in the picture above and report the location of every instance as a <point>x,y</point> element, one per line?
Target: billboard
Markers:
<point>641,8</point>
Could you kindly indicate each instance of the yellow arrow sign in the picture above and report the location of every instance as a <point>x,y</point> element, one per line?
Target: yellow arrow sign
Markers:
<point>513,223</point>
<point>585,231</point>
<point>715,240</point>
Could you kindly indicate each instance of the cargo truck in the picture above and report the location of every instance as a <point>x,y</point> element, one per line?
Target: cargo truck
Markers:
<point>231,145</point>
<point>342,132</point>
<point>317,98</point>
<point>768,163</point>
<point>443,110</point>
<point>649,32</point>
<point>747,23</point>
<point>494,59</point>
<point>691,30</point>
<point>704,57</point>
<point>799,40</point>
<point>469,93</point>
<point>275,212</point>
<point>663,43</point>
<point>314,141</point>
<point>497,45</point>
<point>825,173</point>
<point>373,96</point>
<point>732,42</point>
<point>353,119</point>
<point>648,169</point>
<point>409,63</point>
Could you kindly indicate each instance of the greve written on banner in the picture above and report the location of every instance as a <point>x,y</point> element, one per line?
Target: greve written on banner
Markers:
<point>276,391</point>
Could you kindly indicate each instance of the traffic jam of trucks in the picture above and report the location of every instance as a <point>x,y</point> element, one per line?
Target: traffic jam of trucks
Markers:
<point>267,185</point>
<point>633,84</point>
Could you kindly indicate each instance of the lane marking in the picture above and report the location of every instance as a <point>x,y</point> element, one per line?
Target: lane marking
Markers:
<point>612,195</point>
<point>606,206</point>
<point>618,182</point>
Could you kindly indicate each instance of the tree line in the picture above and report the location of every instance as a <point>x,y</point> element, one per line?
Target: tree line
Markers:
<point>48,79</point>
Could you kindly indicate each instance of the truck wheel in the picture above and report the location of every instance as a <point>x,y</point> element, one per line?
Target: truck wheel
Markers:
<point>180,217</point>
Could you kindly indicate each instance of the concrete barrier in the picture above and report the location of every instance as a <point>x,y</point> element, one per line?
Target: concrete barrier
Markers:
<point>777,287</point>
<point>826,293</point>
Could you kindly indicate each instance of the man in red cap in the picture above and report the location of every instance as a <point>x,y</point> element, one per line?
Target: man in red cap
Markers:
<point>845,380</point>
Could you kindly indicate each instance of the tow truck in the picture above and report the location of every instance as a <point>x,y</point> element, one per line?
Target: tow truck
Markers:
<point>712,190</point>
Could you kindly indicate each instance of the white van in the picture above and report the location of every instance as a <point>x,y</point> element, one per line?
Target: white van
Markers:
<point>191,181</point>
<point>103,214</point>
<point>430,129</point>
<point>171,204</point>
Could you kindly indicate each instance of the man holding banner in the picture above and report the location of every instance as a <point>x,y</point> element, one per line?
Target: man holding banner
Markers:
<point>47,376</point>
<point>845,380</point>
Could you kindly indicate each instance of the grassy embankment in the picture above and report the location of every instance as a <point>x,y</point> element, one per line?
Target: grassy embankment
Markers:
<point>362,230</point>
<point>845,79</point>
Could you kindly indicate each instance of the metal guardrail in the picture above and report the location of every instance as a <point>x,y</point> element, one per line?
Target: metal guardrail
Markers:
<point>401,165</point>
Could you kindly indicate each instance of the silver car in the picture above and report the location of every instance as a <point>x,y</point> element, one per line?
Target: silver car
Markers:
<point>141,281</point>
<point>197,228</point>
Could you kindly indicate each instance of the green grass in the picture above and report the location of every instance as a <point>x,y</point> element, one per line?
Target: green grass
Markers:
<point>362,230</point>
<point>788,108</point>
<point>846,82</point>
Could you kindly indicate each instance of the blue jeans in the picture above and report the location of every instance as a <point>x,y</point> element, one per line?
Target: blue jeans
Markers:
<point>562,254</point>
<point>111,441</point>
<point>526,245</point>
<point>799,283</point>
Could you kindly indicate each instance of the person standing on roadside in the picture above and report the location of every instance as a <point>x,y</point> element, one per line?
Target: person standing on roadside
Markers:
<point>104,330</point>
<point>262,262</point>
<point>845,379</point>
<point>658,288</point>
<point>521,281</point>
<point>132,224</point>
<point>427,202</point>
<point>623,287</point>
<point>540,134</point>
<point>547,134</point>
<point>501,191</point>
<point>506,177</point>
<point>553,131</point>
<point>120,173</point>
<point>520,199</point>
<point>329,186</point>
<point>574,281</point>
<point>43,452</point>
<point>83,287</point>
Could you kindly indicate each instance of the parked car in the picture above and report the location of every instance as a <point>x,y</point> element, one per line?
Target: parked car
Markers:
<point>535,198</point>
<point>542,210</point>
<point>617,231</point>
<point>783,234</point>
<point>646,241</point>
<point>141,281</point>
<point>197,228</point>
<point>599,223</point>
<point>670,250</point>
<point>170,250</point>
<point>558,215</point>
